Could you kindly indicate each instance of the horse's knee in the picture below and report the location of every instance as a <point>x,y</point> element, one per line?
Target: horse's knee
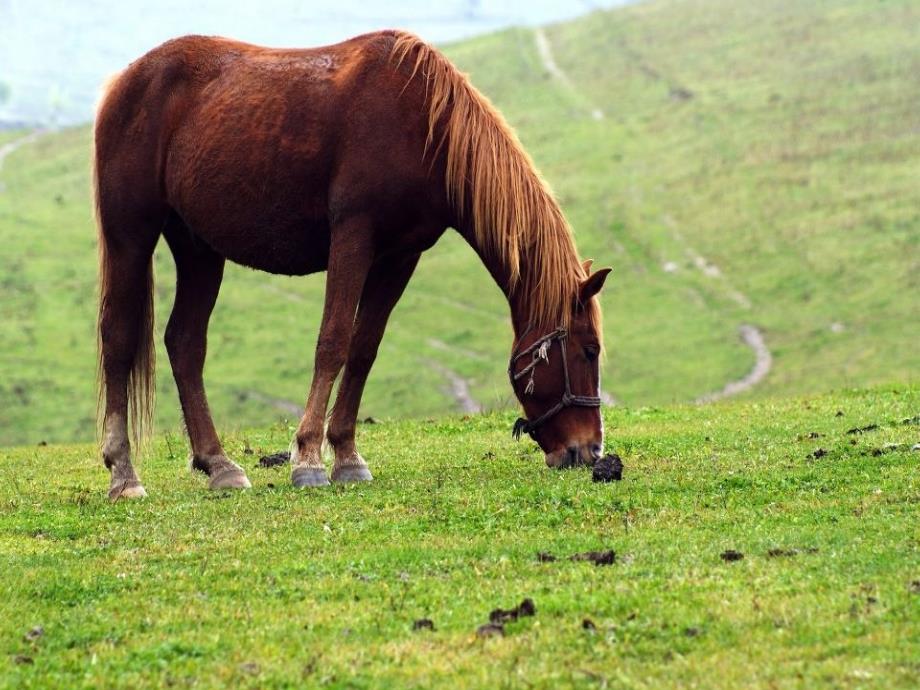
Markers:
<point>332,351</point>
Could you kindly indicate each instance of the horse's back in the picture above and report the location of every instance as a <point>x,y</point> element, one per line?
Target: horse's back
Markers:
<point>257,148</point>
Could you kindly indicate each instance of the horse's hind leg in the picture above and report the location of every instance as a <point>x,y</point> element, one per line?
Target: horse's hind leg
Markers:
<point>384,287</point>
<point>350,257</point>
<point>199,271</point>
<point>125,344</point>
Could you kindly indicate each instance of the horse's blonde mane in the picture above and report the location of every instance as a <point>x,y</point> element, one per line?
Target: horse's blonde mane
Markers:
<point>491,180</point>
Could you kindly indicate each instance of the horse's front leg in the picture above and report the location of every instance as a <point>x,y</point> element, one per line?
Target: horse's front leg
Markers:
<point>199,272</point>
<point>350,257</point>
<point>384,287</point>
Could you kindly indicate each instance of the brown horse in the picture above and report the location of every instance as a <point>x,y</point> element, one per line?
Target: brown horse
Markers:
<point>354,159</point>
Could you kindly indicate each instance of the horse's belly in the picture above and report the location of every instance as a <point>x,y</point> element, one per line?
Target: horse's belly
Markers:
<point>271,217</point>
<point>268,242</point>
<point>252,189</point>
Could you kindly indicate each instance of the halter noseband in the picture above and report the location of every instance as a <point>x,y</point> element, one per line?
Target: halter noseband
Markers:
<point>539,351</point>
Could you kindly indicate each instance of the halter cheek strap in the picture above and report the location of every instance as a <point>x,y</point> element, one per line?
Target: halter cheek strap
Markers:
<point>539,352</point>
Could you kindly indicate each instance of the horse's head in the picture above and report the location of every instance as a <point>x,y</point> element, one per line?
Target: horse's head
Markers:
<point>556,377</point>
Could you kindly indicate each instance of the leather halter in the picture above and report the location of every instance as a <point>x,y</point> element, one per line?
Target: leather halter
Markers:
<point>539,351</point>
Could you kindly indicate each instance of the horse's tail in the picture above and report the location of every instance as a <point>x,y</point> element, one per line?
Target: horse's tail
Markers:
<point>141,388</point>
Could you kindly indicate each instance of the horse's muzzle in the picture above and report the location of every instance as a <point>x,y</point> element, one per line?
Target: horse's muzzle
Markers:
<point>575,455</point>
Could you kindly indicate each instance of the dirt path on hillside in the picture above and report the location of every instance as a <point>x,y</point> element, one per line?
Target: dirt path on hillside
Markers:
<point>705,266</point>
<point>286,406</point>
<point>11,146</point>
<point>459,388</point>
<point>549,63</point>
<point>750,335</point>
<point>763,362</point>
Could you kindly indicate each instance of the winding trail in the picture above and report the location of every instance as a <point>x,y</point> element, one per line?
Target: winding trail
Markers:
<point>705,266</point>
<point>750,335</point>
<point>459,388</point>
<point>11,146</point>
<point>763,362</point>
<point>545,51</point>
<point>287,406</point>
<point>446,347</point>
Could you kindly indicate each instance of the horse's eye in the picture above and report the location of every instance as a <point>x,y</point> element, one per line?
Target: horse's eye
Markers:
<point>592,353</point>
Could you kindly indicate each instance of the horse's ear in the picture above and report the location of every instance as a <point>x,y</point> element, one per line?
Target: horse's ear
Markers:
<point>586,265</point>
<point>591,285</point>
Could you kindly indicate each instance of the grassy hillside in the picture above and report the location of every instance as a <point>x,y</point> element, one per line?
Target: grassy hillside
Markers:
<point>749,163</point>
<point>278,587</point>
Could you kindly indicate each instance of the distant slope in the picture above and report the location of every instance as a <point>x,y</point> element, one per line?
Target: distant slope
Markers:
<point>751,163</point>
<point>780,140</point>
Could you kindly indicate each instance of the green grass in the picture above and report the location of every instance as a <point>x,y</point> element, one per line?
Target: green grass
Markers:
<point>792,168</point>
<point>278,587</point>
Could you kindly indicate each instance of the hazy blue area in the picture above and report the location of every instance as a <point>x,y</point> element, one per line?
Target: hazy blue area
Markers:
<point>55,53</point>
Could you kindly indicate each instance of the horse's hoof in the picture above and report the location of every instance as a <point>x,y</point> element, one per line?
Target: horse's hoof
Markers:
<point>352,473</point>
<point>130,489</point>
<point>303,476</point>
<point>233,478</point>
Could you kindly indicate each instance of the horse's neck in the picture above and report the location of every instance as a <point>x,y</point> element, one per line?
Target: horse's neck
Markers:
<point>501,274</point>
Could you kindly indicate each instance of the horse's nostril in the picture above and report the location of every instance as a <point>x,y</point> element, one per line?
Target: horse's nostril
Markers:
<point>596,450</point>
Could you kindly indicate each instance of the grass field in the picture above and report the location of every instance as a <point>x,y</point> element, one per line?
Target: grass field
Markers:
<point>737,164</point>
<point>277,587</point>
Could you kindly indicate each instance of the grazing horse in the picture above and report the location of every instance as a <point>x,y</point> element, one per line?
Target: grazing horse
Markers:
<point>354,159</point>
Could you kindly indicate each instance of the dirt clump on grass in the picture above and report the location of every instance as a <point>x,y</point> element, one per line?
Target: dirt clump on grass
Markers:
<point>498,617</point>
<point>275,459</point>
<point>608,468</point>
<point>730,555</point>
<point>862,429</point>
<point>423,624</point>
<point>607,557</point>
<point>491,630</point>
<point>782,553</point>
<point>502,616</point>
<point>596,557</point>
<point>779,552</point>
<point>887,448</point>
